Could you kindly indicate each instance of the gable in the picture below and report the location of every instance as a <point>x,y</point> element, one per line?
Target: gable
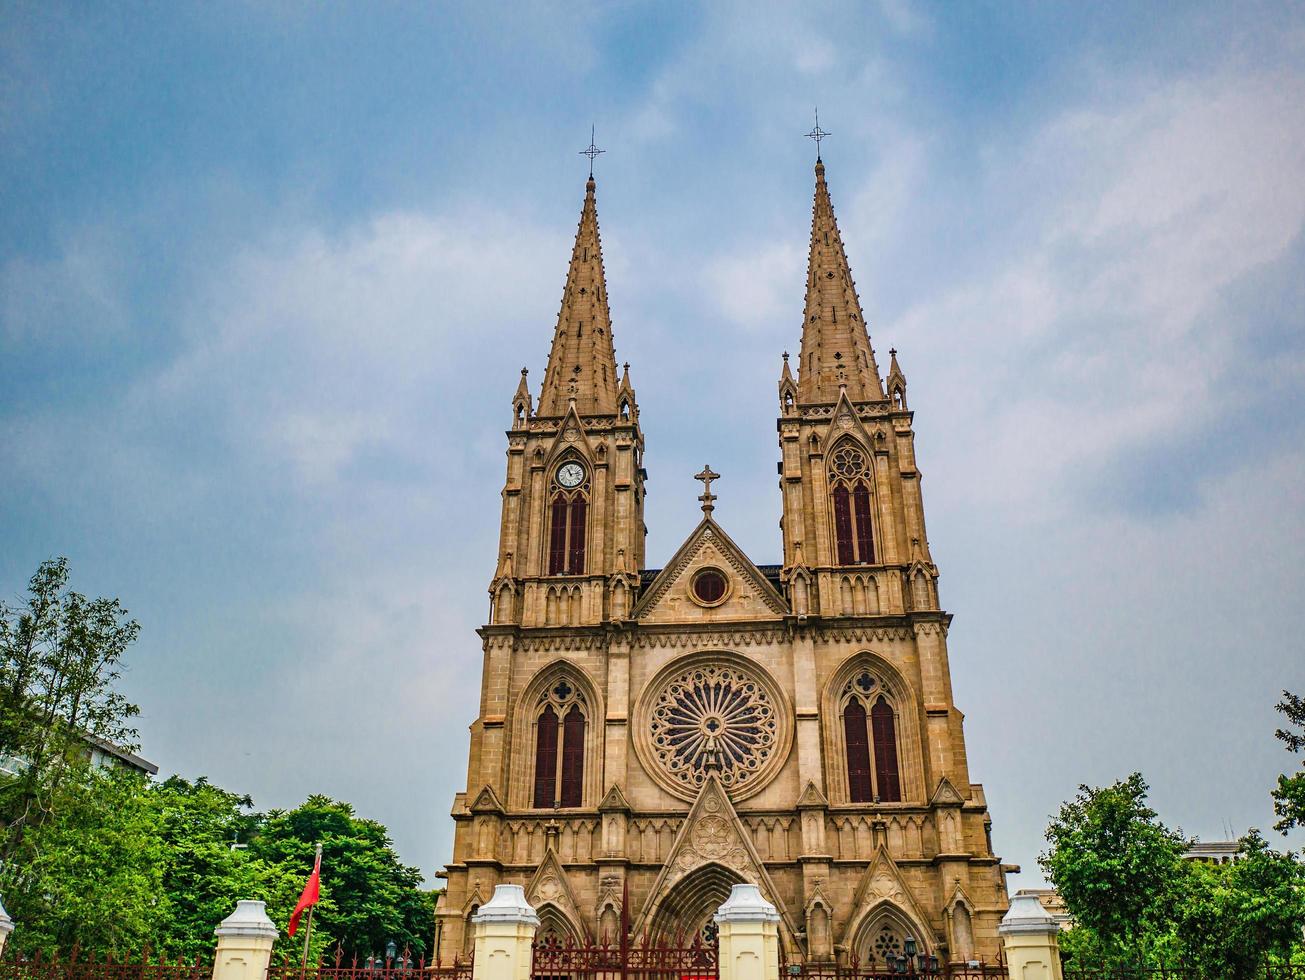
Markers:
<point>671,597</point>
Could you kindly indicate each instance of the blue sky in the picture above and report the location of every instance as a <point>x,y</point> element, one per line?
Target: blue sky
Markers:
<point>268,273</point>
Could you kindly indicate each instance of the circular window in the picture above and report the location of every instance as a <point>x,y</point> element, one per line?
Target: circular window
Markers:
<point>716,713</point>
<point>709,586</point>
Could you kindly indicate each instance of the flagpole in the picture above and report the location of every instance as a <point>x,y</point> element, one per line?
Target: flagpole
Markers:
<point>308,933</point>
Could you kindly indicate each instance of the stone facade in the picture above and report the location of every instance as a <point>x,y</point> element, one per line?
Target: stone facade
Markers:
<point>657,736</point>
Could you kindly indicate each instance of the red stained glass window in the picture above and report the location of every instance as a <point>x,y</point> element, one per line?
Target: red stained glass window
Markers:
<point>573,757</point>
<point>885,738</point>
<point>546,758</point>
<point>843,526</point>
<point>709,586</point>
<point>576,549</point>
<point>865,546</point>
<point>557,537</point>
<point>858,753</point>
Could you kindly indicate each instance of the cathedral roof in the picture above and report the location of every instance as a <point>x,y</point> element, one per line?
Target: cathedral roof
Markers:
<point>835,342</point>
<point>582,361</point>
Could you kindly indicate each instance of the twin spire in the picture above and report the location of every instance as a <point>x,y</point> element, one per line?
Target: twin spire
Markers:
<point>836,353</point>
<point>582,362</point>
<point>836,349</point>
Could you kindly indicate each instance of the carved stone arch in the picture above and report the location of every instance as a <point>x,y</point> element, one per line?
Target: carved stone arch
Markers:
<point>690,903</point>
<point>959,916</point>
<point>504,610</point>
<point>819,915</point>
<point>557,926</point>
<point>880,926</point>
<point>921,586</point>
<point>522,735</point>
<point>905,703</point>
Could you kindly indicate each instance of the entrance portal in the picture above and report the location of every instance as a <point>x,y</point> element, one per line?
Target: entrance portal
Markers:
<point>685,913</point>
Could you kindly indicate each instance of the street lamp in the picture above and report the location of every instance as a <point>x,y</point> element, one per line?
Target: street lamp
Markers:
<point>390,950</point>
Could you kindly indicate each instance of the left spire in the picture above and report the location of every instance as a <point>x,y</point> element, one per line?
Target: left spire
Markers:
<point>582,361</point>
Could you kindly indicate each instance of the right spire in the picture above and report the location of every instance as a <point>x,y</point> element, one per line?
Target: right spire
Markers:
<point>836,349</point>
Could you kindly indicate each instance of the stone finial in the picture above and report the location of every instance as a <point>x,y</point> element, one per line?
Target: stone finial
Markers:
<point>249,919</point>
<point>746,904</point>
<point>508,905</point>
<point>1026,916</point>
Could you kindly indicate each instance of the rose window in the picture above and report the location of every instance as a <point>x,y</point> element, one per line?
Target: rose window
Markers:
<point>714,716</point>
<point>887,944</point>
<point>849,462</point>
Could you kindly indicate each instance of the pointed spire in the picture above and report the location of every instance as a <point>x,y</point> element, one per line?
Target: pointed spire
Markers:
<point>836,347</point>
<point>582,362</point>
<point>896,382</point>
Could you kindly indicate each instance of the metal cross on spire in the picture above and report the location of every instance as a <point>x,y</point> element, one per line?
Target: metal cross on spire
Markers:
<point>591,151</point>
<point>817,134</point>
<point>708,498</point>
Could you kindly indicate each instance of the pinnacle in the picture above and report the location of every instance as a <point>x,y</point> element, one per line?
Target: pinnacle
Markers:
<point>582,362</point>
<point>836,351</point>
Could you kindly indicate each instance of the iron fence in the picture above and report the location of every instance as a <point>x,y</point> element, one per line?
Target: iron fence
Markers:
<point>337,966</point>
<point>644,960</point>
<point>78,967</point>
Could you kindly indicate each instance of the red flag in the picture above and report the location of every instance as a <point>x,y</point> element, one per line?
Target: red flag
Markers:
<point>312,892</point>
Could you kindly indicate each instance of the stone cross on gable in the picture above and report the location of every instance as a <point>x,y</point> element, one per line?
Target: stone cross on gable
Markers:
<point>708,498</point>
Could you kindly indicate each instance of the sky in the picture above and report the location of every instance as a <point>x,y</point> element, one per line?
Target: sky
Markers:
<point>269,273</point>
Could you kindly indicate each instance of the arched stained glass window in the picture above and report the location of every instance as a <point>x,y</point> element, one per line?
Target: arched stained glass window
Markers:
<point>560,730</point>
<point>568,514</point>
<point>870,742</point>
<point>850,479</point>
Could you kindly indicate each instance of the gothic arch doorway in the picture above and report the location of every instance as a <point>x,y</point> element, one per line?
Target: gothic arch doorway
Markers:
<point>686,911</point>
<point>883,933</point>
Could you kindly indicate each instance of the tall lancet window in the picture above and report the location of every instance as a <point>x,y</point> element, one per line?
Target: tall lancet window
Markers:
<point>850,480</point>
<point>870,732</point>
<point>560,726</point>
<point>568,516</point>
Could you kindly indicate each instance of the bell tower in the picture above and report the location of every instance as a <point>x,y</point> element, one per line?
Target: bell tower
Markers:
<point>854,536</point>
<point>572,537</point>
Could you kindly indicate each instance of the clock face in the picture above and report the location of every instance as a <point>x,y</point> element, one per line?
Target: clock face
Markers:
<point>570,475</point>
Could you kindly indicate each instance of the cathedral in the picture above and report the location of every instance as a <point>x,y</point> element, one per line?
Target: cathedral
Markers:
<point>651,736</point>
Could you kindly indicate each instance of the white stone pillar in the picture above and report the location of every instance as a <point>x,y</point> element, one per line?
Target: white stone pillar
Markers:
<point>504,929</point>
<point>749,936</point>
<point>244,943</point>
<point>1032,940</point>
<point>6,927</point>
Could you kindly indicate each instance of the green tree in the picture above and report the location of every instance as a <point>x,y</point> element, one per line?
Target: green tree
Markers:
<point>1118,868</point>
<point>1289,795</point>
<point>208,865</point>
<point>369,897</point>
<point>60,656</point>
<point>91,874</point>
<point>1231,917</point>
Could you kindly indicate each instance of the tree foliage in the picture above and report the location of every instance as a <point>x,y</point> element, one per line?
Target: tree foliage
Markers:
<point>1117,866</point>
<point>60,656</point>
<point>1289,795</point>
<point>1233,916</point>
<point>113,862</point>
<point>125,863</point>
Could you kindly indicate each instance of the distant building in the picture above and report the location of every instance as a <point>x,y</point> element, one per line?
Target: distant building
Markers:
<point>1214,852</point>
<point>101,753</point>
<point>106,755</point>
